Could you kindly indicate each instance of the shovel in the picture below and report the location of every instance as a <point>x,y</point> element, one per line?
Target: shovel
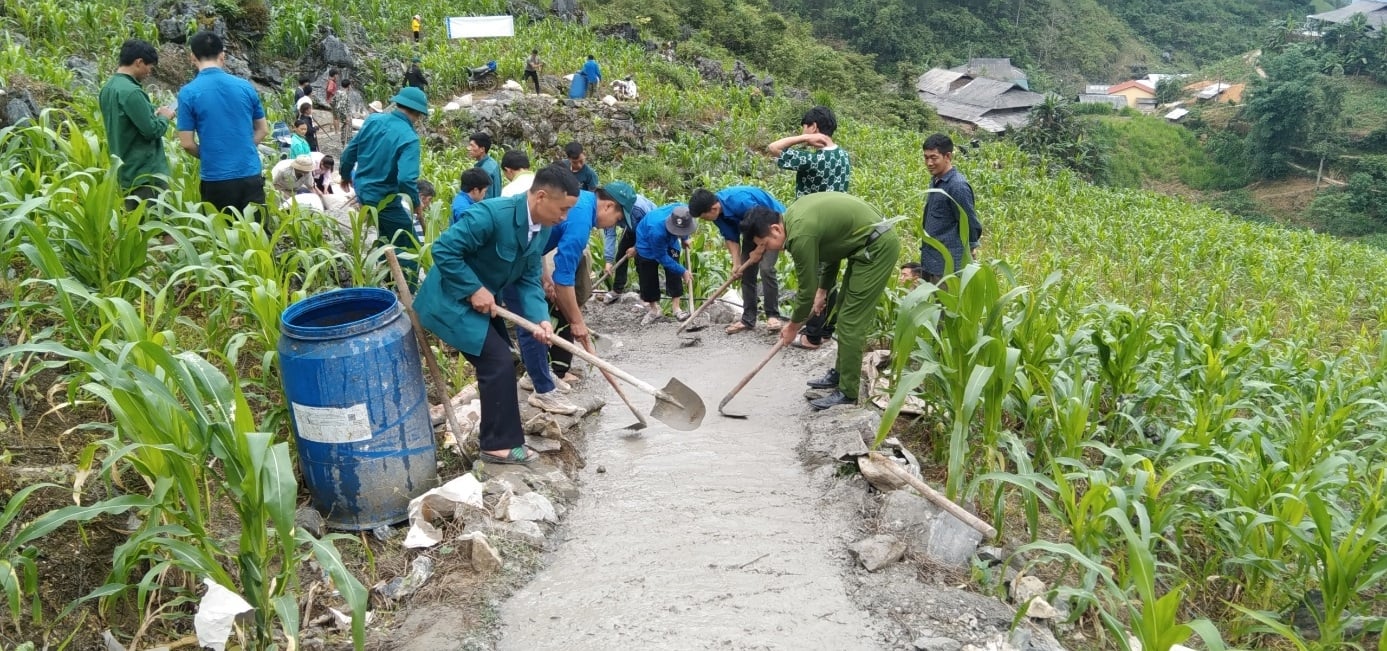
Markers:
<point>728,398</point>
<point>717,293</point>
<point>640,420</point>
<point>619,261</point>
<point>676,404</point>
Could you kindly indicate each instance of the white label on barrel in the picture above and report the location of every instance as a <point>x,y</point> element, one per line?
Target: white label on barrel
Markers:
<point>333,424</point>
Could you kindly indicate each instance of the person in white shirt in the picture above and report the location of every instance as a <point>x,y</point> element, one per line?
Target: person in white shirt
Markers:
<point>515,167</point>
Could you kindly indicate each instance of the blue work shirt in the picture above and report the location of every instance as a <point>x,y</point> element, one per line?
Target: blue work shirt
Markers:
<point>736,202</point>
<point>641,208</point>
<point>492,169</point>
<point>385,155</point>
<point>569,238</point>
<point>222,109</point>
<point>592,71</point>
<point>654,241</point>
<point>942,221</point>
<point>461,203</point>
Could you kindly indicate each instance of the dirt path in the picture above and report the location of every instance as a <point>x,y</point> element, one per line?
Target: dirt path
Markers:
<point>694,540</point>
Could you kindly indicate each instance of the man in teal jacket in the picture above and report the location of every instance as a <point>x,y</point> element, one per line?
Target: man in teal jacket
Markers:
<point>134,128</point>
<point>498,245</point>
<point>383,162</point>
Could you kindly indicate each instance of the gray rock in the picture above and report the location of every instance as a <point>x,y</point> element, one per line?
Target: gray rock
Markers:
<point>238,66</point>
<point>335,53</point>
<point>485,558</point>
<point>20,110</point>
<point>520,8</point>
<point>525,531</point>
<point>1025,588</point>
<point>709,69</point>
<point>1043,640</point>
<point>568,11</point>
<point>543,444</point>
<point>951,541</point>
<point>85,72</point>
<point>1039,608</point>
<point>906,512</point>
<point>936,644</point>
<point>927,529</point>
<point>310,520</point>
<point>878,551</point>
<point>838,435</point>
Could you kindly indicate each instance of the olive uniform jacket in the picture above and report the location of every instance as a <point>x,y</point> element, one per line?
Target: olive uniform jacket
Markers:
<point>489,247</point>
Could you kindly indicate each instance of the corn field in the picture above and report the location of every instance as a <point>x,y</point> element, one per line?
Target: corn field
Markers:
<point>1178,414</point>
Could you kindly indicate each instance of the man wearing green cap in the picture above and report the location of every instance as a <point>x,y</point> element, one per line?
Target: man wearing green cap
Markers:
<point>383,162</point>
<point>822,231</point>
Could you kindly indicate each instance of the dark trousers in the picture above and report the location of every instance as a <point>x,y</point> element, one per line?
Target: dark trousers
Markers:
<point>770,285</point>
<point>649,273</point>
<point>820,327</point>
<point>619,275</point>
<point>395,226</point>
<point>500,427</point>
<point>235,193</point>
<point>531,74</point>
<point>140,194</point>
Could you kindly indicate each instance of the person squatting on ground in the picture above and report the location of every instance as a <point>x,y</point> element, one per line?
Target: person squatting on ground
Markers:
<point>134,127</point>
<point>942,219</point>
<point>220,121</point>
<point>614,246</point>
<point>568,286</point>
<point>498,246</point>
<point>479,149</point>
<point>383,161</point>
<point>726,209</point>
<point>472,186</point>
<point>658,237</point>
<point>821,232</point>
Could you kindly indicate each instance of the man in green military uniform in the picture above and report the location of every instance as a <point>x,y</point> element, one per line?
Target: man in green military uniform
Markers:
<point>821,231</point>
<point>499,245</point>
<point>134,128</point>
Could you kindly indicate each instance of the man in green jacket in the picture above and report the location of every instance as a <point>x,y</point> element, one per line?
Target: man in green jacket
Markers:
<point>134,128</point>
<point>821,231</point>
<point>499,245</point>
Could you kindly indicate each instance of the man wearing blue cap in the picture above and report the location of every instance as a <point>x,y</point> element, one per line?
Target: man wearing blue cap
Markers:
<point>383,162</point>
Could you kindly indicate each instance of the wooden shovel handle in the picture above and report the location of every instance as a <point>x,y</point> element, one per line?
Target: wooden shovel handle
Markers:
<point>619,261</point>
<point>779,344</point>
<point>407,299</point>
<point>932,495</point>
<point>587,343</point>
<point>583,354</point>
<point>713,297</point>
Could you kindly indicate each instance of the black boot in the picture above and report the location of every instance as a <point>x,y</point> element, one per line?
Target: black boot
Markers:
<point>831,400</point>
<point>828,381</point>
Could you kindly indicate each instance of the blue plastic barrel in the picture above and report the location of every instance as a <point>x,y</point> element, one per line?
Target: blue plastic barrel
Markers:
<point>358,405</point>
<point>578,89</point>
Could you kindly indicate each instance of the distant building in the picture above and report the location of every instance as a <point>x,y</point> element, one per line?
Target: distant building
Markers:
<point>1206,90</point>
<point>999,69</point>
<point>990,104</point>
<point>1137,94</point>
<point>1373,10</point>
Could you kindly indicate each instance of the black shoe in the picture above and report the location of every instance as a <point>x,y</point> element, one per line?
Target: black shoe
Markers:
<point>828,381</point>
<point>831,400</point>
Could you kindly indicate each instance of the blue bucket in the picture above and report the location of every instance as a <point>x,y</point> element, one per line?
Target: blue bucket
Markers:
<point>358,405</point>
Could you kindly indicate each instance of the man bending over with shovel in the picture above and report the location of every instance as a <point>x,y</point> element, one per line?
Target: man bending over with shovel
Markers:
<point>569,242</point>
<point>726,209</point>
<point>821,231</point>
<point>499,245</point>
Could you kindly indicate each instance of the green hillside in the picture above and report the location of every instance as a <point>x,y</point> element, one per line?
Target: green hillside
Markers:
<point>1176,413</point>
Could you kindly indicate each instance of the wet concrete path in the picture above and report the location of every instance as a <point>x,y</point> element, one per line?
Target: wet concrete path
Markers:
<point>695,540</point>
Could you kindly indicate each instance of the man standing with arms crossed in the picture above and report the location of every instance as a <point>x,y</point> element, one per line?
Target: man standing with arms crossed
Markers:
<point>821,231</point>
<point>496,249</point>
<point>383,161</point>
<point>944,212</point>
<point>134,128</point>
<point>220,121</point>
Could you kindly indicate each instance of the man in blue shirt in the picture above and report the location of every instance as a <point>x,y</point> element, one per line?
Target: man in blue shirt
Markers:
<point>220,120</point>
<point>479,148</point>
<point>942,218</point>
<point>593,73</point>
<point>726,210</point>
<point>567,286</point>
<point>658,242</point>
<point>383,162</point>
<point>474,183</point>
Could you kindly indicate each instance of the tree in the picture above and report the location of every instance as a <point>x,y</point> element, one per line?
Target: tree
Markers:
<point>1055,133</point>
<point>1168,90</point>
<point>1281,109</point>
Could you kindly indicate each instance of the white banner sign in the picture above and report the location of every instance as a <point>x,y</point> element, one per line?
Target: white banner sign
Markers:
<point>481,26</point>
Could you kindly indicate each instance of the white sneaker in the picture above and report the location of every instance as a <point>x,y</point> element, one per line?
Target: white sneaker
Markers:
<point>553,403</point>
<point>529,385</point>
<point>650,317</point>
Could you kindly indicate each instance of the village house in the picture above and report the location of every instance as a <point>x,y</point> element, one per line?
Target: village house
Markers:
<point>973,94</point>
<point>1137,94</point>
<point>1373,10</point>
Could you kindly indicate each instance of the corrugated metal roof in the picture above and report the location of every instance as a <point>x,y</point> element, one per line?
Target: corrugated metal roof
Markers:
<point>994,68</point>
<point>1096,89</point>
<point>1177,114</point>
<point>1375,12</point>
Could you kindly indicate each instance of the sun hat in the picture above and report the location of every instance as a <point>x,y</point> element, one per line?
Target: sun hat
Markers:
<point>376,106</point>
<point>411,97</point>
<point>681,223</point>
<point>303,100</point>
<point>623,194</point>
<point>303,163</point>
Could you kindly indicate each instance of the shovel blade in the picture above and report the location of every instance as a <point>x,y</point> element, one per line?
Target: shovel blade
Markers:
<point>679,407</point>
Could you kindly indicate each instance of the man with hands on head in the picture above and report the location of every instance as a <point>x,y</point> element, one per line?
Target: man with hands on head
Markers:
<point>497,246</point>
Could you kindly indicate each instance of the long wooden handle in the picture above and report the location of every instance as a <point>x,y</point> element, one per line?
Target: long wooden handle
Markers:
<point>585,355</point>
<point>713,297</point>
<point>932,495</point>
<point>779,344</point>
<point>407,299</point>
<point>619,261</point>
<point>587,343</point>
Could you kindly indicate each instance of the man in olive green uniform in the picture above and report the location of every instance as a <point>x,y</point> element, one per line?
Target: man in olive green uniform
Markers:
<point>134,128</point>
<point>497,248</point>
<point>821,231</point>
